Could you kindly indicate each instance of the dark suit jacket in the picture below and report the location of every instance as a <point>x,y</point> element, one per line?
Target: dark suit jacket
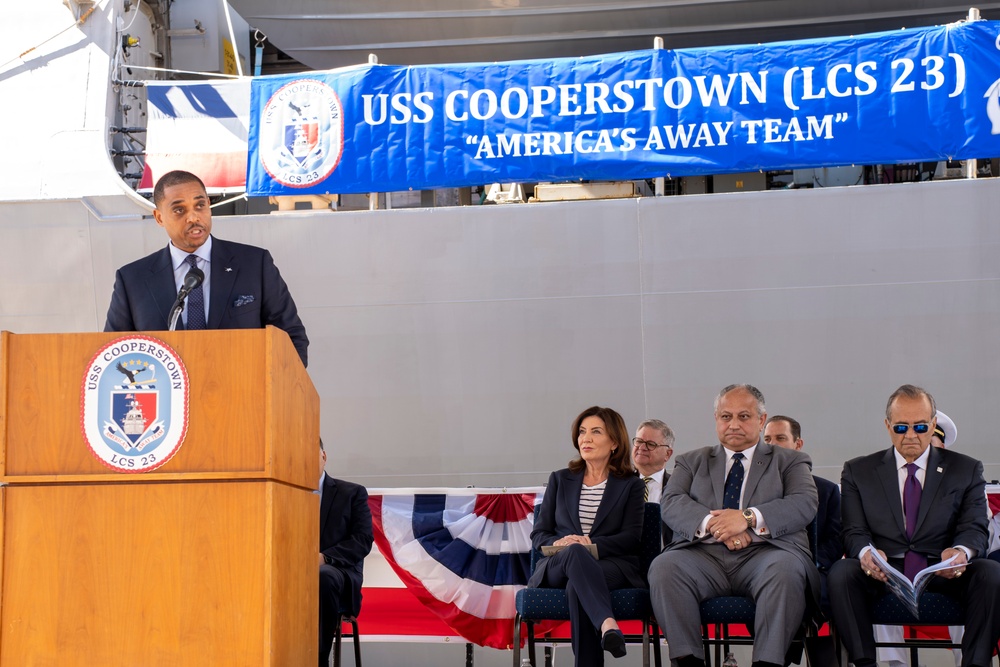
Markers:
<point>666,534</point>
<point>952,505</point>
<point>779,484</point>
<point>345,532</point>
<point>830,546</point>
<point>617,529</point>
<point>250,296</point>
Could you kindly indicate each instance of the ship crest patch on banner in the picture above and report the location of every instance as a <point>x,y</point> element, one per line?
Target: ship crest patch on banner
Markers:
<point>302,133</point>
<point>134,404</point>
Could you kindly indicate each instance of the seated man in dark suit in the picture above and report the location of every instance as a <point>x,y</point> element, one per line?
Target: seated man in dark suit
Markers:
<point>782,431</point>
<point>242,288</point>
<point>739,529</point>
<point>345,538</point>
<point>652,447</point>
<point>917,505</point>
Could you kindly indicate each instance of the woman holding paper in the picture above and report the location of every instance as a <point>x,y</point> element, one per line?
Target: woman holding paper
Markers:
<point>592,514</point>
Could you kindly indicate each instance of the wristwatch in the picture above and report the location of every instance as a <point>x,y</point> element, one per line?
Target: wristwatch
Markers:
<point>749,516</point>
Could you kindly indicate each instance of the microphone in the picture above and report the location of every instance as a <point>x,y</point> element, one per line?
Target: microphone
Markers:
<point>193,278</point>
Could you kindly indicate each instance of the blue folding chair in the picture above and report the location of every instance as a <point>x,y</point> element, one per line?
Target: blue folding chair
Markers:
<point>722,611</point>
<point>936,609</point>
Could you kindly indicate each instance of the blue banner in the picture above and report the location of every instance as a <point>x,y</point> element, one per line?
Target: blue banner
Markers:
<point>905,96</point>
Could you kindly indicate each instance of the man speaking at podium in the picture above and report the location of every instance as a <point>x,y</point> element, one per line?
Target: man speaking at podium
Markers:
<point>242,288</point>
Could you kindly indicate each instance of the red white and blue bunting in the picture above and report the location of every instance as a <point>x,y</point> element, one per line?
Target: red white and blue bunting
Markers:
<point>463,553</point>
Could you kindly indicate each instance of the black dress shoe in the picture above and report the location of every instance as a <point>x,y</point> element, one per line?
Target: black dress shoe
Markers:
<point>613,642</point>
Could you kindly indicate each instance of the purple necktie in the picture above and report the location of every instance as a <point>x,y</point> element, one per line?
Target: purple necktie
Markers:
<point>913,562</point>
<point>195,302</point>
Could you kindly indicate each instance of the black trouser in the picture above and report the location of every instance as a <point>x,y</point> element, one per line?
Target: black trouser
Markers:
<point>853,593</point>
<point>331,592</point>
<point>588,583</point>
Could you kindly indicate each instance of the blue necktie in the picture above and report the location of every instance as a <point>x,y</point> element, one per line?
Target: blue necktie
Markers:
<point>734,484</point>
<point>195,302</point>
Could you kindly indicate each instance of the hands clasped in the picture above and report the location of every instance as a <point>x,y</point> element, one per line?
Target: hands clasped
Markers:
<point>572,539</point>
<point>730,528</point>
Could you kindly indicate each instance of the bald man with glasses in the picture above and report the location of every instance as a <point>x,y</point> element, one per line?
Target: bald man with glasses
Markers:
<point>917,505</point>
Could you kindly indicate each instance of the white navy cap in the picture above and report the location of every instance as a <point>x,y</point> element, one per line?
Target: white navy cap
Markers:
<point>946,429</point>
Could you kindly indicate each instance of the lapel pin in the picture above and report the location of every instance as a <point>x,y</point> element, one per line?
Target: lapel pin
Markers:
<point>940,469</point>
<point>229,270</point>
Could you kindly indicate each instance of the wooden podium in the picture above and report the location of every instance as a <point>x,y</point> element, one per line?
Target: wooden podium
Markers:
<point>208,560</point>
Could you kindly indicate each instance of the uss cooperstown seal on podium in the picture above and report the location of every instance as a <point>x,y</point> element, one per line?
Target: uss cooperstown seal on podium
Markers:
<point>134,404</point>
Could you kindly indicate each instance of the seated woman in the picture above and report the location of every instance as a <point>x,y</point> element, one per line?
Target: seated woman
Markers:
<point>597,500</point>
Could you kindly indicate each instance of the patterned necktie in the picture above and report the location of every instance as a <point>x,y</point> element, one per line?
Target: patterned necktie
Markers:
<point>734,484</point>
<point>645,490</point>
<point>913,562</point>
<point>195,302</point>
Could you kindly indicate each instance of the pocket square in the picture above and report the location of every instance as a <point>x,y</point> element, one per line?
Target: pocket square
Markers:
<point>243,300</point>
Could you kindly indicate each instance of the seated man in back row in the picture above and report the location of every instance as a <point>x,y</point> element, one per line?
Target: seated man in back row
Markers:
<point>652,447</point>
<point>345,538</point>
<point>918,505</point>
<point>782,431</point>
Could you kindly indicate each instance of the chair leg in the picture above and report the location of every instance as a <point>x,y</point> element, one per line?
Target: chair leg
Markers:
<point>531,643</point>
<point>656,644</point>
<point>517,640</point>
<point>720,632</point>
<point>914,657</point>
<point>338,635</point>
<point>645,644</point>
<point>357,642</point>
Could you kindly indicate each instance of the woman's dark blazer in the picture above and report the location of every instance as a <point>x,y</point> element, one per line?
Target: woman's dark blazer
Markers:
<point>617,529</point>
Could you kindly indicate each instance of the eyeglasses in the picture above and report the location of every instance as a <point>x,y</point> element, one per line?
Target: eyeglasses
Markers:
<point>651,446</point>
<point>900,429</point>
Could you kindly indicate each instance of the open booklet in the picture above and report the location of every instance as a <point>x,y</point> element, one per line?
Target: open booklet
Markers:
<point>908,591</point>
<point>553,550</point>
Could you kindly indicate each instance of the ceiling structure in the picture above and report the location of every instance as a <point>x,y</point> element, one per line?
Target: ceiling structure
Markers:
<point>325,34</point>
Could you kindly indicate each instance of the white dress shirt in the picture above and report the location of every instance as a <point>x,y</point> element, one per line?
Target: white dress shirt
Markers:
<point>654,486</point>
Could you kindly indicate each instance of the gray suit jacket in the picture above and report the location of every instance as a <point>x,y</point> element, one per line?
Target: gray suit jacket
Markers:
<point>779,484</point>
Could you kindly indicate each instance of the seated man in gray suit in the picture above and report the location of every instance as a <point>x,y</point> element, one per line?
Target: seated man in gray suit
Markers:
<point>739,512</point>
<point>917,505</point>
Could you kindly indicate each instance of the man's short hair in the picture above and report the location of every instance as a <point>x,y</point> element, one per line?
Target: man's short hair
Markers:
<point>749,388</point>
<point>794,425</point>
<point>172,178</point>
<point>321,444</point>
<point>668,435</point>
<point>909,391</point>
